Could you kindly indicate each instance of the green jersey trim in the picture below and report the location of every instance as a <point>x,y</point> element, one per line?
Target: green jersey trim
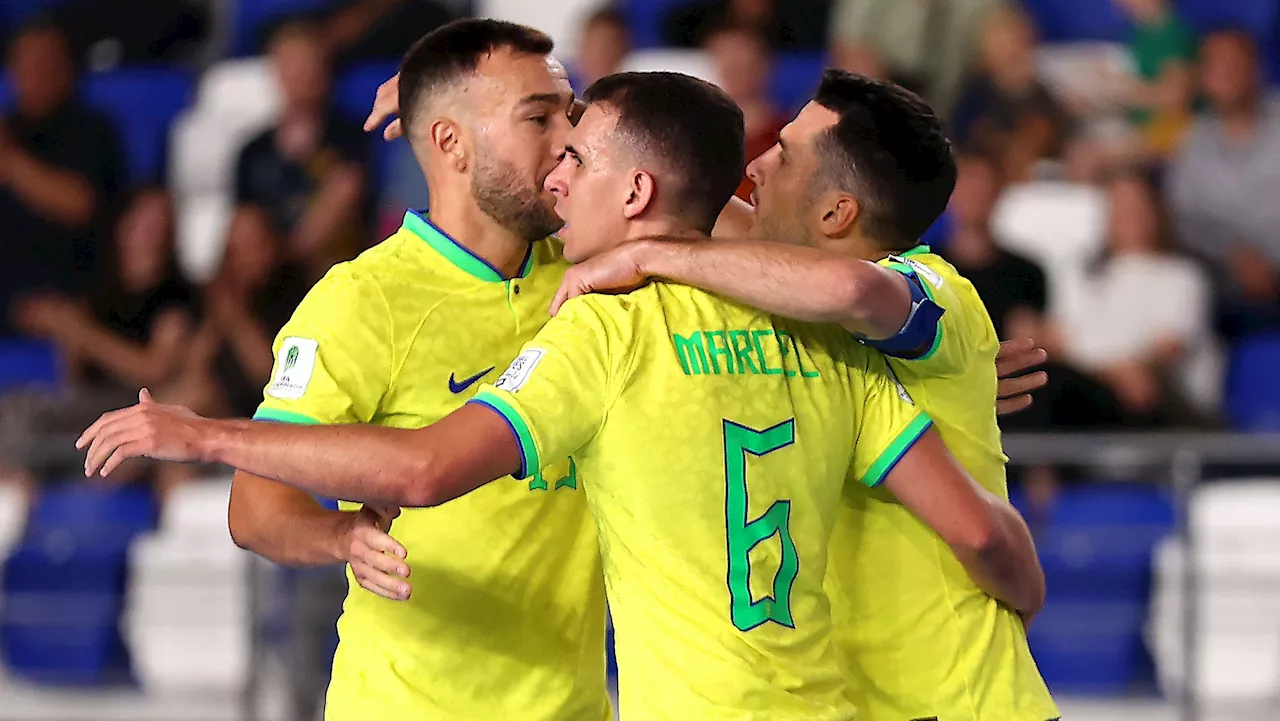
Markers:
<point>897,449</point>
<point>278,416</point>
<point>458,254</point>
<point>529,461</point>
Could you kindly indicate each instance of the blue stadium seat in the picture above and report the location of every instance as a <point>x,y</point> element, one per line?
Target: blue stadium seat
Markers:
<point>14,13</point>
<point>64,585</point>
<point>795,77</point>
<point>28,363</point>
<point>1066,20</point>
<point>143,104</point>
<point>1256,16</point>
<point>1253,384</point>
<point>252,17</point>
<point>644,17</point>
<point>1096,549</point>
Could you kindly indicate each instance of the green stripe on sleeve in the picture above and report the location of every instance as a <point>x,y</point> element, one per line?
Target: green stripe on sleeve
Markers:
<point>278,416</point>
<point>897,449</point>
<point>528,448</point>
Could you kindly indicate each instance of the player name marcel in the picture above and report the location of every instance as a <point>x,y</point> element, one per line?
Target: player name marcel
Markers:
<point>739,352</point>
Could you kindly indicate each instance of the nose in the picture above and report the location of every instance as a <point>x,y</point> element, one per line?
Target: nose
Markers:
<point>753,170</point>
<point>557,181</point>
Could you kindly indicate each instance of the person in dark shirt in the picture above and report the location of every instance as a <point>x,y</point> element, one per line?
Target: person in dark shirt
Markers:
<point>60,170</point>
<point>788,26</point>
<point>134,331</point>
<point>307,172</point>
<point>1004,281</point>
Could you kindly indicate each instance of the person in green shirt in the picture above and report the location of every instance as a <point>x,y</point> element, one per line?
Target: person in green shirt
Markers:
<point>1163,47</point>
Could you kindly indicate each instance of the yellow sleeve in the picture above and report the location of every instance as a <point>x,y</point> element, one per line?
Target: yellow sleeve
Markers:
<point>955,332</point>
<point>890,423</point>
<point>333,357</point>
<point>556,393</point>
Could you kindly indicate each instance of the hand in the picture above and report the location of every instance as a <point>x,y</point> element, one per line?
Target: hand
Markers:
<point>227,308</point>
<point>618,270</point>
<point>148,429</point>
<point>376,559</point>
<point>386,105</point>
<point>51,316</point>
<point>1013,393</point>
<point>1253,273</point>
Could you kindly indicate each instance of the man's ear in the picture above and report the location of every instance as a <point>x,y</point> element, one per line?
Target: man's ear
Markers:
<point>448,138</point>
<point>640,194</point>
<point>838,213</point>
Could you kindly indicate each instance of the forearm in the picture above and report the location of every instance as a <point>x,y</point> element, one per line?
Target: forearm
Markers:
<point>59,195</point>
<point>283,524</point>
<point>252,348</point>
<point>334,206</point>
<point>792,281</point>
<point>131,362</point>
<point>1007,567</point>
<point>350,462</point>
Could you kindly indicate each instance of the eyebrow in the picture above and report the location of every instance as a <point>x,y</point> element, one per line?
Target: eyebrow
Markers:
<point>542,98</point>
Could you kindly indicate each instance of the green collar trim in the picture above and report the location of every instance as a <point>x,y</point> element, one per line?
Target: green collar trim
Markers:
<point>918,250</point>
<point>457,253</point>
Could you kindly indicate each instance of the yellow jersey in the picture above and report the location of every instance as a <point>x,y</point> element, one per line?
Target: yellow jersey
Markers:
<point>507,617</point>
<point>919,638</point>
<point>712,442</point>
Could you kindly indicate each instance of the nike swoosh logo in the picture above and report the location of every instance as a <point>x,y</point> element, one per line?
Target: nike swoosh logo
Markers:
<point>460,386</point>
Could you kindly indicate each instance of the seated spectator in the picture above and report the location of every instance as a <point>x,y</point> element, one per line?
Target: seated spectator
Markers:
<point>1223,185</point>
<point>245,306</point>
<point>354,31</point>
<point>135,332</point>
<point>307,172</point>
<point>926,46</point>
<point>1006,282</point>
<point>1144,327</point>
<point>1005,112</point>
<point>1163,48</point>
<point>788,26</point>
<point>60,169</point>
<point>604,43</point>
<point>742,60</point>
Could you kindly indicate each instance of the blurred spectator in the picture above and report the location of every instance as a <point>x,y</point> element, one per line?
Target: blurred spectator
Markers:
<point>924,45</point>
<point>135,332</point>
<point>1005,112</point>
<point>251,298</point>
<point>1224,184</point>
<point>1163,48</point>
<point>603,44</point>
<point>308,171</point>
<point>131,32</point>
<point>1006,282</point>
<point>362,30</point>
<point>60,169</point>
<point>1145,326</point>
<point>743,62</point>
<point>788,26</point>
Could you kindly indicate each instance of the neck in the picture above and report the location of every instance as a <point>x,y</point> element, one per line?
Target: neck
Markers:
<point>663,227</point>
<point>1239,122</point>
<point>454,211</point>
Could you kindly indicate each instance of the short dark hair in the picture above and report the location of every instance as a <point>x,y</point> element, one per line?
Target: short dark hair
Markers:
<point>688,125</point>
<point>445,55</point>
<point>889,150</point>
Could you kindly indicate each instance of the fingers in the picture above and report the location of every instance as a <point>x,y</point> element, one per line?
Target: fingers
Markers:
<point>1016,362</point>
<point>393,131</point>
<point>385,585</point>
<point>111,436</point>
<point>562,294</point>
<point>380,572</point>
<point>1015,345</point>
<point>1012,405</point>
<point>105,419</point>
<point>1009,387</point>
<point>385,102</point>
<point>144,396</point>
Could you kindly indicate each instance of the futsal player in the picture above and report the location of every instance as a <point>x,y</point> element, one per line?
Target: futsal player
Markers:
<point>713,440</point>
<point>509,619</point>
<point>855,179</point>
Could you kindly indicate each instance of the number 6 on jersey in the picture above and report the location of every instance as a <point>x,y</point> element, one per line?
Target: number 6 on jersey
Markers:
<point>744,535</point>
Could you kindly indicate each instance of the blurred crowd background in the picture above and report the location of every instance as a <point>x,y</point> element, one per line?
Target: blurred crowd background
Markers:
<point>175,174</point>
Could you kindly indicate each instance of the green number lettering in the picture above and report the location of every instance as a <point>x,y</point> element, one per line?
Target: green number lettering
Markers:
<point>744,535</point>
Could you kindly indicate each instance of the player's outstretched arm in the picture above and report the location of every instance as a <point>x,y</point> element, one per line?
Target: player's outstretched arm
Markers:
<point>391,466</point>
<point>987,534</point>
<point>797,282</point>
